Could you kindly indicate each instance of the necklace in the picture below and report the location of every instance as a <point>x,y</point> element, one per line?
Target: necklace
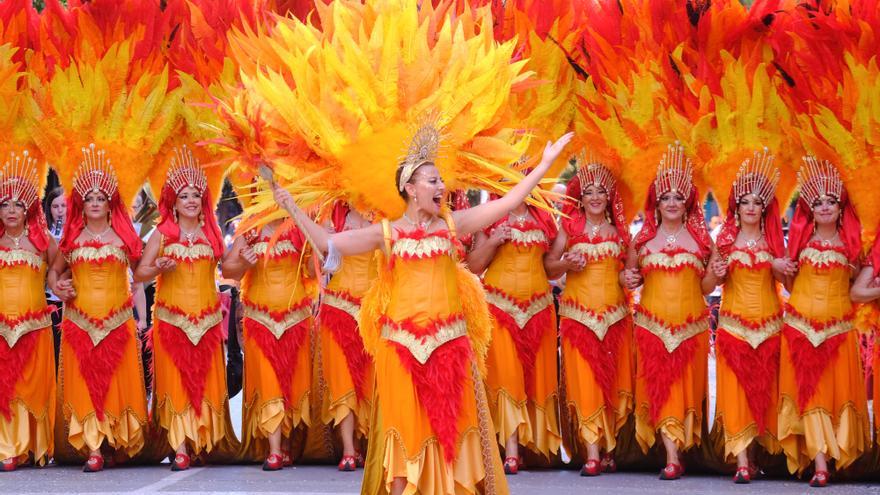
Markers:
<point>826,242</point>
<point>16,240</point>
<point>520,219</point>
<point>421,225</point>
<point>97,237</point>
<point>189,237</point>
<point>753,243</point>
<point>594,228</point>
<point>672,237</point>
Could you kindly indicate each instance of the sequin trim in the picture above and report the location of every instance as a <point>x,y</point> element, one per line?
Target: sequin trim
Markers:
<point>808,328</point>
<point>823,258</point>
<point>593,252</point>
<point>277,327</point>
<point>98,331</point>
<point>422,248</point>
<point>521,313</point>
<point>755,335</point>
<point>671,337</point>
<point>342,304</point>
<point>12,332</point>
<point>422,347</point>
<point>597,323</point>
<point>528,237</point>
<point>189,253</point>
<point>194,329</point>
<point>20,257</point>
<point>672,261</point>
<point>94,254</point>
<point>750,260</point>
<point>280,248</point>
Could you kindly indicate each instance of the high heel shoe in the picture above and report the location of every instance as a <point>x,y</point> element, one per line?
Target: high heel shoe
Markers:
<point>819,479</point>
<point>672,471</point>
<point>181,462</point>
<point>94,464</point>
<point>10,464</point>
<point>591,468</point>
<point>609,465</point>
<point>273,462</point>
<point>511,465</point>
<point>359,459</point>
<point>348,463</point>
<point>742,476</point>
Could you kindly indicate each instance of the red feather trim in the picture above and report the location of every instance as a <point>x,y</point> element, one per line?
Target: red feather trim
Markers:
<point>809,362</point>
<point>344,330</point>
<point>281,353</point>
<point>439,384</point>
<point>527,339</point>
<point>14,359</point>
<point>193,362</point>
<point>756,370</point>
<point>660,368</point>
<point>97,364</point>
<point>601,355</point>
<point>30,315</point>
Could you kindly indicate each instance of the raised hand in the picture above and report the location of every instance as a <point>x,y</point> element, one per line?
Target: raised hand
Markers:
<point>553,150</point>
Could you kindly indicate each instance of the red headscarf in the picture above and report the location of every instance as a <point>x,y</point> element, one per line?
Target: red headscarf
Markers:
<point>35,220</point>
<point>772,228</point>
<point>169,228</point>
<point>696,224</point>
<point>801,229</point>
<point>576,219</point>
<point>120,222</point>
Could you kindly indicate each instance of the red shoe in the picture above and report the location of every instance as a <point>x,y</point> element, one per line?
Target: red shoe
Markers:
<point>286,459</point>
<point>608,464</point>
<point>274,462</point>
<point>181,462</point>
<point>742,476</point>
<point>10,464</point>
<point>511,465</point>
<point>819,479</point>
<point>359,459</point>
<point>94,464</point>
<point>348,463</point>
<point>591,468</point>
<point>672,471</point>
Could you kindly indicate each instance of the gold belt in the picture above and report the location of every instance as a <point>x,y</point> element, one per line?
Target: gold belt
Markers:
<point>21,328</point>
<point>754,336</point>
<point>98,332</point>
<point>671,339</point>
<point>817,337</point>
<point>421,348</point>
<point>194,329</point>
<point>277,327</point>
<point>597,323</point>
<point>520,316</point>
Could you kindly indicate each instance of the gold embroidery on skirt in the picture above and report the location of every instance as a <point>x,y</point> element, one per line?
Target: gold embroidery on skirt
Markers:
<point>422,347</point>
<point>520,316</point>
<point>277,327</point>
<point>342,304</point>
<point>817,337</point>
<point>194,329</point>
<point>21,328</point>
<point>754,336</point>
<point>597,323</point>
<point>97,333</point>
<point>671,339</point>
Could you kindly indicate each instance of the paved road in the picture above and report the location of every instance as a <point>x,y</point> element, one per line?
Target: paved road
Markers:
<point>314,480</point>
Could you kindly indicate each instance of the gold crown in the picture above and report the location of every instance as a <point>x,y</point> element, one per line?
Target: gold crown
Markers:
<point>424,147</point>
<point>817,179</point>
<point>592,172</point>
<point>758,176</point>
<point>95,174</point>
<point>675,172</point>
<point>185,171</point>
<point>18,179</point>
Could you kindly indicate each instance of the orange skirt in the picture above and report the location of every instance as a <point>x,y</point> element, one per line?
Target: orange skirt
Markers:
<point>517,406</point>
<point>876,388</point>
<point>738,406</point>
<point>339,373</point>
<point>597,414</point>
<point>678,417</point>
<point>123,418</point>
<point>834,420</point>
<point>404,443</point>
<point>202,424</point>
<point>26,428</point>
<point>267,406</point>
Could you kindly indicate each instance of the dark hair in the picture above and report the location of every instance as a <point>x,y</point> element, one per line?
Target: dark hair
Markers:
<point>47,203</point>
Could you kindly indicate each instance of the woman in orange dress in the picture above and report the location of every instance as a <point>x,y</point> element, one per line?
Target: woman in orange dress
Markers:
<point>426,325</point>
<point>346,368</point>
<point>27,389</point>
<point>747,341</point>
<point>822,405</point>
<point>866,289</point>
<point>277,316</point>
<point>100,372</point>
<point>190,401</point>
<point>521,364</point>
<point>595,321</point>
<point>671,257</point>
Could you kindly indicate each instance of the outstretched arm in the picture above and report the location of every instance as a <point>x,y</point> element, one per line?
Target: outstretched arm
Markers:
<point>866,288</point>
<point>481,216</point>
<point>347,243</point>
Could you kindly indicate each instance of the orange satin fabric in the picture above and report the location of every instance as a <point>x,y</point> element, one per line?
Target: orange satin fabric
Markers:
<point>750,294</point>
<point>518,272</point>
<point>190,289</point>
<point>354,277</point>
<point>29,429</point>
<point>835,420</point>
<point>102,288</point>
<point>674,296</point>
<point>275,283</point>
<point>597,288</point>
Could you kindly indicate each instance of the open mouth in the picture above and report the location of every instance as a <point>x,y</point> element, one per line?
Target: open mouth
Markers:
<point>438,200</point>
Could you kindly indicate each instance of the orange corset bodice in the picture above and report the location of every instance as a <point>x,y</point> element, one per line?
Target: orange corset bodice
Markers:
<point>22,283</point>
<point>597,286</point>
<point>275,282</point>
<point>750,289</point>
<point>100,278</point>
<point>518,266</point>
<point>186,297</point>
<point>355,275</point>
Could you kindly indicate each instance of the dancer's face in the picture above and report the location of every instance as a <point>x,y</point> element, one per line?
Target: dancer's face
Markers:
<point>750,209</point>
<point>189,203</point>
<point>96,206</point>
<point>427,189</point>
<point>671,206</point>
<point>595,200</point>
<point>12,214</point>
<point>826,210</point>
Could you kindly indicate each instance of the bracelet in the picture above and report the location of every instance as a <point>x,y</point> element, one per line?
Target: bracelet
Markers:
<point>333,260</point>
